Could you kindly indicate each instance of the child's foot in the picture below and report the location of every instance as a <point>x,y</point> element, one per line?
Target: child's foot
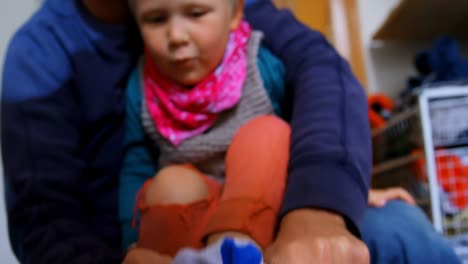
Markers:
<point>240,253</point>
<point>208,255</point>
<point>227,251</point>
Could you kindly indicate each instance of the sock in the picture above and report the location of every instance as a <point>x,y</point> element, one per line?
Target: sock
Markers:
<point>240,253</point>
<point>226,251</point>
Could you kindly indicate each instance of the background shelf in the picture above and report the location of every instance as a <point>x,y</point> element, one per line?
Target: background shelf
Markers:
<point>418,20</point>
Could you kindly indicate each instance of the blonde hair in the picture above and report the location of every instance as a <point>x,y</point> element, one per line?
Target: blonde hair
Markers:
<point>131,4</point>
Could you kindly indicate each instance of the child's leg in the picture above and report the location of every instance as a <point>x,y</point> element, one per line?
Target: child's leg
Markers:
<point>174,209</point>
<point>256,170</point>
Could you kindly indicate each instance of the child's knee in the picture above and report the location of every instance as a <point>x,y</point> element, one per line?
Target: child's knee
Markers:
<point>176,184</point>
<point>268,126</point>
<point>266,134</point>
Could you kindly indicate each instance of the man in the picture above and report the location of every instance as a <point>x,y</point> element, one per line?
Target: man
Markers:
<point>62,134</point>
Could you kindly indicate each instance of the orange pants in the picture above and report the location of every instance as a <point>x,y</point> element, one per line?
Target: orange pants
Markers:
<point>249,201</point>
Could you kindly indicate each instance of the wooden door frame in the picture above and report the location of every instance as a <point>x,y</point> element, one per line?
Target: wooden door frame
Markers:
<point>346,35</point>
<point>339,21</point>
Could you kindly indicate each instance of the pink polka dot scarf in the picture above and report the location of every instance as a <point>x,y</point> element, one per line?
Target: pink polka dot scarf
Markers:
<point>180,113</point>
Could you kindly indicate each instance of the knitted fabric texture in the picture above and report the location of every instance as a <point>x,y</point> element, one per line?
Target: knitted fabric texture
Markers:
<point>207,151</point>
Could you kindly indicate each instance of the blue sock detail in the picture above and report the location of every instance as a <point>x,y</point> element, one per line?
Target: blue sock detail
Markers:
<point>240,254</point>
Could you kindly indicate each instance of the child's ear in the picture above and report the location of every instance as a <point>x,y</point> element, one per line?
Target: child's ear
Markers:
<point>237,14</point>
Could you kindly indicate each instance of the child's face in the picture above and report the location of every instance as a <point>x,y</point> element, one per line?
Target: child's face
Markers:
<point>187,38</point>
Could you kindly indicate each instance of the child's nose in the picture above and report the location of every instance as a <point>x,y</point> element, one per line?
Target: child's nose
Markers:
<point>177,33</point>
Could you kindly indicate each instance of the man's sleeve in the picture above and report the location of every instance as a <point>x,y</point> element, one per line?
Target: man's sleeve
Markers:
<point>330,148</point>
<point>44,167</point>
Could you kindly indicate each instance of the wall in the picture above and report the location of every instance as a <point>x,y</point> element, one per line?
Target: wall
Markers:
<point>12,14</point>
<point>388,64</point>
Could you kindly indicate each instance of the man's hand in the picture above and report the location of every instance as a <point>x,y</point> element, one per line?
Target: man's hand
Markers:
<point>378,198</point>
<point>145,256</point>
<point>315,236</point>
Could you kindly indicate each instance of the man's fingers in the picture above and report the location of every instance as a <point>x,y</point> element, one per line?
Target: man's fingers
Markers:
<point>402,194</point>
<point>378,198</point>
<point>348,250</point>
<point>360,254</point>
<point>337,250</point>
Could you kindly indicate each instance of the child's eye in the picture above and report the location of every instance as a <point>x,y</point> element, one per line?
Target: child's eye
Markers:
<point>196,13</point>
<point>157,19</point>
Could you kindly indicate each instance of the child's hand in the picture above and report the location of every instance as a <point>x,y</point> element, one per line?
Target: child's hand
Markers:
<point>145,256</point>
<point>378,198</point>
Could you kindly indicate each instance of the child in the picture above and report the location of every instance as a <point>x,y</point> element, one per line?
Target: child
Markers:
<point>204,107</point>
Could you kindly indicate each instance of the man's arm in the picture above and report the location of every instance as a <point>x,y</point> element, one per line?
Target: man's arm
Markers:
<point>329,171</point>
<point>330,147</point>
<point>44,165</point>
